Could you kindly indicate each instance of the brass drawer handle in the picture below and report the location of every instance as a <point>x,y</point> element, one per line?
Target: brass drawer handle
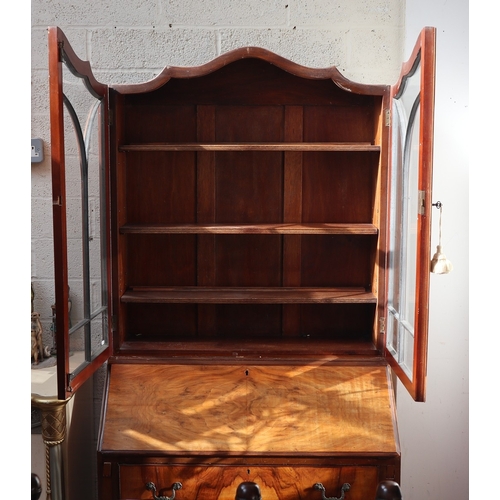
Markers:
<point>151,487</point>
<point>345,487</point>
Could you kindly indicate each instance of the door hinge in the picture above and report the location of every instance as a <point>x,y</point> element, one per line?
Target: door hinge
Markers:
<point>381,325</point>
<point>60,51</point>
<point>387,117</point>
<point>111,117</point>
<point>106,469</point>
<point>421,202</point>
<point>113,323</point>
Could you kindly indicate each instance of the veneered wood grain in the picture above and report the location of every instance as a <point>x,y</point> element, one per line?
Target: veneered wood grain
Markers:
<point>283,410</point>
<point>275,483</point>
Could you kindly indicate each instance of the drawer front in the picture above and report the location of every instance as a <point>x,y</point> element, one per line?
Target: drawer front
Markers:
<point>221,482</point>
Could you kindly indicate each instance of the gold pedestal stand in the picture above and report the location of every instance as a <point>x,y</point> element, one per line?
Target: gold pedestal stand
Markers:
<point>53,412</point>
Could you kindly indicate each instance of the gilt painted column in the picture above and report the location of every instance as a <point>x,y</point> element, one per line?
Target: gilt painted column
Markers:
<point>53,421</point>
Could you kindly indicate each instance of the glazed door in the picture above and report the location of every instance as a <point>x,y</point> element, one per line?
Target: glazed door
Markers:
<point>78,114</point>
<point>409,258</point>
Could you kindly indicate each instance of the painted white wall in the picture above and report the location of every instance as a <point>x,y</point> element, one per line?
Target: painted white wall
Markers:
<point>434,435</point>
<point>131,41</point>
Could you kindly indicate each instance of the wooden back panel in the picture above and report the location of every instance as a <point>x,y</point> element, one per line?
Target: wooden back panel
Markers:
<point>216,150</point>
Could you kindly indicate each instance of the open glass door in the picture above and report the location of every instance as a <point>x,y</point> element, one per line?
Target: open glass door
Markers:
<point>410,225</point>
<point>78,114</point>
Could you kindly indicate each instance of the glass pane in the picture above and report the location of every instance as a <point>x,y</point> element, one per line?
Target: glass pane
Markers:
<point>407,349</point>
<point>404,218</point>
<point>411,207</point>
<point>76,349</point>
<point>392,331</point>
<point>97,247</point>
<point>74,217</point>
<point>99,332</point>
<point>85,232</point>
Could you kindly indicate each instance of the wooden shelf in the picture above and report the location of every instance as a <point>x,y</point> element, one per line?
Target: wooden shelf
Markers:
<point>253,146</point>
<point>241,206</point>
<point>251,295</point>
<point>313,228</point>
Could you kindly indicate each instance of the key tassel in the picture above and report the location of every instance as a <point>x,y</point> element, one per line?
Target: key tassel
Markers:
<point>439,263</point>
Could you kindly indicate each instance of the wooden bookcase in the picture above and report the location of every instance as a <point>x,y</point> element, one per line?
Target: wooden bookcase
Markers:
<point>246,212</point>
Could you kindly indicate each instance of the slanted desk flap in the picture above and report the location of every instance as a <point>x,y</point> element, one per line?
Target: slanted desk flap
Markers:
<point>315,409</point>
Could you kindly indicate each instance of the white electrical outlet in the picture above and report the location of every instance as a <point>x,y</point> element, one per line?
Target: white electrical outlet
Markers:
<point>36,150</point>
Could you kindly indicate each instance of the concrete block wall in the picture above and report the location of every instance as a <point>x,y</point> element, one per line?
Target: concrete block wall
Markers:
<point>132,41</point>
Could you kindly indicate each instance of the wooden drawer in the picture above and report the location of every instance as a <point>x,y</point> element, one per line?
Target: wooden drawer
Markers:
<point>221,482</point>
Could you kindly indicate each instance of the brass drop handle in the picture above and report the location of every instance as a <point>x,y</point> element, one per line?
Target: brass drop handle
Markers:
<point>345,487</point>
<point>151,487</point>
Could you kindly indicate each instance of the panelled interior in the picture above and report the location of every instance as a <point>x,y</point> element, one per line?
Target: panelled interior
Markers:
<point>338,186</point>
<point>248,322</point>
<point>166,194</point>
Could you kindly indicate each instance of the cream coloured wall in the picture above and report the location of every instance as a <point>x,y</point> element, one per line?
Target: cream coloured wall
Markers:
<point>132,41</point>
<point>435,434</point>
